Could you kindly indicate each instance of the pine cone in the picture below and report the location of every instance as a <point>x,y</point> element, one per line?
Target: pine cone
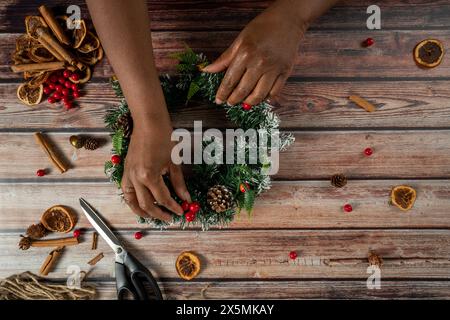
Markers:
<point>375,260</point>
<point>125,123</point>
<point>338,180</point>
<point>219,198</point>
<point>37,231</point>
<point>91,144</point>
<point>24,243</point>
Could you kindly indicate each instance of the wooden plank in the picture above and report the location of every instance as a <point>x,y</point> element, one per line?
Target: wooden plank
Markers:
<point>302,105</point>
<point>288,205</point>
<point>292,290</point>
<point>314,155</point>
<point>258,254</point>
<point>212,15</point>
<point>321,54</point>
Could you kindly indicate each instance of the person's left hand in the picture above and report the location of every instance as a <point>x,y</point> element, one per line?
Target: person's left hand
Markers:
<point>261,58</point>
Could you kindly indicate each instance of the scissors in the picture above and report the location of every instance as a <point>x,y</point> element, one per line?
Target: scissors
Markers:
<point>132,278</point>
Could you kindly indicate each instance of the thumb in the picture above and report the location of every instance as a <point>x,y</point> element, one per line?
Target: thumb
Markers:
<point>221,63</point>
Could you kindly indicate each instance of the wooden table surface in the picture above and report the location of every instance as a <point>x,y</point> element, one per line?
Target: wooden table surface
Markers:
<point>409,132</point>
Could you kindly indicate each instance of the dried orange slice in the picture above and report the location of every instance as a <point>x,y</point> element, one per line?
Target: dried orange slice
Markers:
<point>25,42</point>
<point>58,219</point>
<point>38,79</point>
<point>84,74</point>
<point>92,57</point>
<point>29,95</point>
<point>403,197</point>
<point>32,23</point>
<point>90,43</point>
<point>20,57</point>
<point>79,34</point>
<point>187,265</point>
<point>40,54</point>
<point>429,53</point>
<point>30,74</point>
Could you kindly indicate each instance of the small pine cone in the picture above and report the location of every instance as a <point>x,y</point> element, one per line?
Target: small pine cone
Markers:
<point>219,198</point>
<point>338,180</point>
<point>125,123</point>
<point>375,260</point>
<point>91,144</point>
<point>37,231</point>
<point>25,243</point>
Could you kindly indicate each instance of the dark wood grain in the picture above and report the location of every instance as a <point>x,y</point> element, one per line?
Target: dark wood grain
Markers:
<point>213,15</point>
<point>405,104</point>
<point>258,254</point>
<point>324,54</point>
<point>288,205</point>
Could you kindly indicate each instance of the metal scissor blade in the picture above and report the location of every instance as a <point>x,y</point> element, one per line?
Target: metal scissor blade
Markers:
<point>99,225</point>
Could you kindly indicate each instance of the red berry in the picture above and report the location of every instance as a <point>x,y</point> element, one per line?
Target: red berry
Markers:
<point>65,99</point>
<point>190,216</point>
<point>40,173</point>
<point>51,86</point>
<point>116,159</point>
<point>74,87</point>
<point>61,79</point>
<point>76,233</point>
<point>58,87</point>
<point>368,151</point>
<point>65,92</point>
<point>53,78</point>
<point>185,205</point>
<point>138,235</point>
<point>194,207</point>
<point>68,105</point>
<point>76,94</point>
<point>57,95</point>
<point>68,84</point>
<point>51,100</point>
<point>67,73</point>
<point>293,255</point>
<point>348,208</point>
<point>47,90</point>
<point>244,187</point>
<point>368,42</point>
<point>75,77</point>
<point>246,106</point>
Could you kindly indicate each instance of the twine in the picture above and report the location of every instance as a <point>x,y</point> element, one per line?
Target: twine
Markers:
<point>28,286</point>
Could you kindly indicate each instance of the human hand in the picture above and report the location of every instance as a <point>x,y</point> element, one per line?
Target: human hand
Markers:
<point>261,58</point>
<point>148,159</point>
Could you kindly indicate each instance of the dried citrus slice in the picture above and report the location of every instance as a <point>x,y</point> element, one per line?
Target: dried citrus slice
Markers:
<point>25,42</point>
<point>38,79</point>
<point>84,75</point>
<point>187,265</point>
<point>20,57</point>
<point>429,53</point>
<point>92,57</point>
<point>30,74</point>
<point>90,43</point>
<point>32,23</point>
<point>40,54</point>
<point>79,34</point>
<point>29,95</point>
<point>58,219</point>
<point>403,197</point>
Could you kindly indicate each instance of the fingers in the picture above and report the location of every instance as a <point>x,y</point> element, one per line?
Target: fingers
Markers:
<point>162,196</point>
<point>146,203</point>
<point>262,89</point>
<point>129,195</point>
<point>278,85</point>
<point>221,63</point>
<point>177,180</point>
<point>244,88</point>
<point>230,80</point>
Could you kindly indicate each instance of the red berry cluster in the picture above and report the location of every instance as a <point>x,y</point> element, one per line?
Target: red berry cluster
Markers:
<point>59,87</point>
<point>190,210</point>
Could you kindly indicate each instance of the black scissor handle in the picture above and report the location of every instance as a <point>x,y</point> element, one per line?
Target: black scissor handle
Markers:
<point>140,276</point>
<point>124,287</point>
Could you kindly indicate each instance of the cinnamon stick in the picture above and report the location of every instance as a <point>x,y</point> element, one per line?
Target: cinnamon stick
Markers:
<point>49,18</point>
<point>366,105</point>
<point>96,259</point>
<point>52,50</point>
<point>50,260</point>
<point>44,36</point>
<point>94,241</point>
<point>26,242</point>
<point>42,66</point>
<point>57,162</point>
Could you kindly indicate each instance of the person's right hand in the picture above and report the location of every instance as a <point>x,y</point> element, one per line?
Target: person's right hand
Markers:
<point>148,159</point>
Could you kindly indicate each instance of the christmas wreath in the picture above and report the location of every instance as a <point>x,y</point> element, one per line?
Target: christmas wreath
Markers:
<point>219,191</point>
